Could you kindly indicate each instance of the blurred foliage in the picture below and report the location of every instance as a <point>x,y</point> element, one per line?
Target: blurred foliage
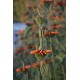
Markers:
<point>41,17</point>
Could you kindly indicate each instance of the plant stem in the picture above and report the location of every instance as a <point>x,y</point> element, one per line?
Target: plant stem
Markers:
<point>41,37</point>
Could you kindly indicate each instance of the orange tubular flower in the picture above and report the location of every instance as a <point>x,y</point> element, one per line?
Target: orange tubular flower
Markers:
<point>19,50</point>
<point>41,52</point>
<point>34,65</point>
<point>57,26</point>
<point>22,69</point>
<point>37,64</point>
<point>34,52</point>
<point>56,17</point>
<point>50,33</point>
<point>27,67</point>
<point>25,48</point>
<point>21,31</point>
<point>39,6</point>
<point>18,70</point>
<point>54,33</point>
<point>48,51</point>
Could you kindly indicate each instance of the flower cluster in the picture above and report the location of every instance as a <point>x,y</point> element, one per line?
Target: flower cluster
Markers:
<point>18,50</point>
<point>34,65</point>
<point>51,33</point>
<point>22,69</point>
<point>40,52</point>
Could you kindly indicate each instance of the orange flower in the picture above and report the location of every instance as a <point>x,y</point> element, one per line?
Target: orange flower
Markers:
<point>27,67</point>
<point>41,52</point>
<point>39,6</point>
<point>25,48</point>
<point>18,70</point>
<point>50,33</point>
<point>34,52</point>
<point>37,64</point>
<point>55,3</point>
<point>21,31</point>
<point>22,69</point>
<point>48,51</point>
<point>56,17</point>
<point>18,50</point>
<point>57,26</point>
<point>29,6</point>
<point>34,65</point>
<point>54,33</point>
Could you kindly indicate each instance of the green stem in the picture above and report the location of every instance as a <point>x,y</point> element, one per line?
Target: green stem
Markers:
<point>52,47</point>
<point>41,37</point>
